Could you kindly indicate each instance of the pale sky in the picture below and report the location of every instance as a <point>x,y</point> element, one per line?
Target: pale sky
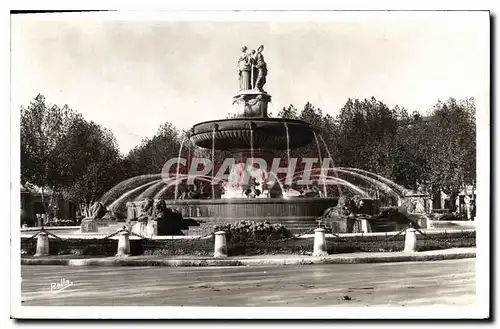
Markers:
<point>131,76</point>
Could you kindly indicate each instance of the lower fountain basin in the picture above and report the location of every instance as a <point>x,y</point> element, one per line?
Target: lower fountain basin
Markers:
<point>268,133</point>
<point>296,214</point>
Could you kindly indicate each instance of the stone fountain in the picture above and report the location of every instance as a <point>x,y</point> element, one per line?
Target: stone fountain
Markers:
<point>175,203</point>
<point>251,132</point>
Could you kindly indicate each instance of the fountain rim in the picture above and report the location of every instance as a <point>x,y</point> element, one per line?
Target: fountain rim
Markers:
<point>257,119</point>
<point>202,133</point>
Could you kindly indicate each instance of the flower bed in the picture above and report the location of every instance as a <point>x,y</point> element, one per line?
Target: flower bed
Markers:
<point>243,231</point>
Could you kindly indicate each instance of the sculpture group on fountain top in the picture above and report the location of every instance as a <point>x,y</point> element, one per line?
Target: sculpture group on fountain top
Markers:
<point>252,73</point>
<point>252,69</point>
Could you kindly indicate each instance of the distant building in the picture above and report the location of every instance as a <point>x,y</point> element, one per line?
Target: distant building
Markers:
<point>31,205</point>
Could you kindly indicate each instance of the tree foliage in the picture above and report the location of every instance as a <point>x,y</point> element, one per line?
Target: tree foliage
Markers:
<point>43,129</point>
<point>451,160</point>
<point>92,162</point>
<point>436,151</point>
<point>152,154</point>
<point>60,150</point>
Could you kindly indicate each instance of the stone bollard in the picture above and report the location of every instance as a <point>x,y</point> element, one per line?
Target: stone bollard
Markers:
<point>428,222</point>
<point>123,244</point>
<point>365,226</point>
<point>42,244</point>
<point>220,248</point>
<point>410,240</point>
<point>319,243</point>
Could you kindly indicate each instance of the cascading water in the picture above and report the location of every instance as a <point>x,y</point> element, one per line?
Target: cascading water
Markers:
<point>287,143</point>
<point>213,162</point>
<point>384,187</point>
<point>325,192</point>
<point>126,186</point>
<point>339,181</point>
<point>163,191</point>
<point>152,190</point>
<point>331,159</point>
<point>402,190</point>
<point>251,146</point>
<point>189,155</point>
<point>118,202</point>
<point>278,181</point>
<point>176,191</point>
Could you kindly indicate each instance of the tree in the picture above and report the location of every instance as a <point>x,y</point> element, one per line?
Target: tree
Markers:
<point>91,165</point>
<point>409,157</point>
<point>451,152</point>
<point>366,134</point>
<point>289,112</point>
<point>43,127</point>
<point>152,154</point>
<point>436,152</point>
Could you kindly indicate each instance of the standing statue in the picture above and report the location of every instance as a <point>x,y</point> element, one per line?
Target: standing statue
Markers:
<point>252,69</point>
<point>244,67</point>
<point>259,69</point>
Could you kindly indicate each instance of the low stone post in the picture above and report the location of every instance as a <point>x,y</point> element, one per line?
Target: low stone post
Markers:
<point>319,243</point>
<point>410,240</point>
<point>220,247</point>
<point>365,226</point>
<point>42,244</point>
<point>123,244</point>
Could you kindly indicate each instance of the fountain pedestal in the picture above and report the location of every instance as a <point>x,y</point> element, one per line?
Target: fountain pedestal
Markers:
<point>252,103</point>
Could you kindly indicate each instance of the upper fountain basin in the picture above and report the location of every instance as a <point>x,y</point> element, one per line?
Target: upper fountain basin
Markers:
<point>268,133</point>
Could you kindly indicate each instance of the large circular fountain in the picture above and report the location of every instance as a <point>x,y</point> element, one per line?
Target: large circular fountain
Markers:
<point>252,189</point>
<point>251,129</point>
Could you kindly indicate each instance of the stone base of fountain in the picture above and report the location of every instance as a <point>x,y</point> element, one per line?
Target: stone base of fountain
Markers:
<point>296,214</point>
<point>145,229</point>
<point>252,103</point>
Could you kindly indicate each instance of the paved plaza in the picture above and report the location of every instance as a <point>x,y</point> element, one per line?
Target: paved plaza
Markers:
<point>449,282</point>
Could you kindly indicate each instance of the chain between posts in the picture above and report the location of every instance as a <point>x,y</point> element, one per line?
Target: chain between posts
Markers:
<point>124,229</point>
<point>429,237</point>
<point>204,236</point>
<point>46,232</point>
<point>398,234</point>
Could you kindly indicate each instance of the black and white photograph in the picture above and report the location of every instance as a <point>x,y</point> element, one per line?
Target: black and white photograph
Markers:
<point>250,164</point>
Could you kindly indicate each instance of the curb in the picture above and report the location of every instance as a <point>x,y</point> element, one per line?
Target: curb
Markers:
<point>130,261</point>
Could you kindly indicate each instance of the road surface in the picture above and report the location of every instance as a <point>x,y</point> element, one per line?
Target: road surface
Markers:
<point>449,282</point>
